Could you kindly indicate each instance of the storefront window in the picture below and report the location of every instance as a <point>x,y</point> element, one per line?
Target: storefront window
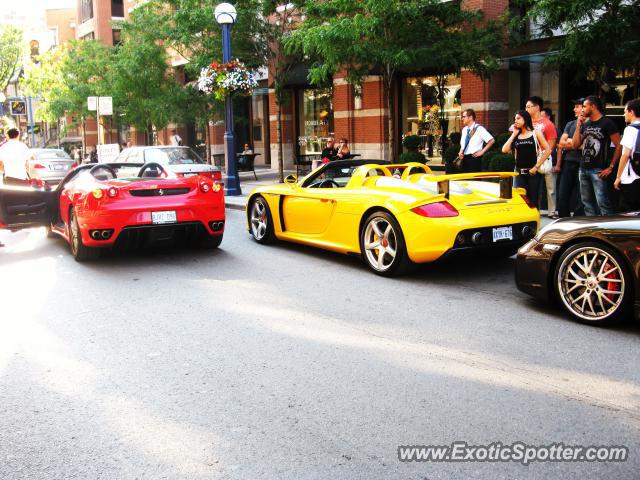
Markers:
<point>430,111</point>
<point>315,120</point>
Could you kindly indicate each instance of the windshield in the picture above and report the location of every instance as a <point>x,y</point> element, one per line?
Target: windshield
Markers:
<point>172,156</point>
<point>52,155</point>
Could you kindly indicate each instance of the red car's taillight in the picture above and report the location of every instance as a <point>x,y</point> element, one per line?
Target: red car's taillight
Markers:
<point>112,192</point>
<point>205,187</point>
<point>527,201</point>
<point>436,210</point>
<point>217,175</point>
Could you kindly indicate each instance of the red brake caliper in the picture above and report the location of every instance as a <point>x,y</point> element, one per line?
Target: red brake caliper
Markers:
<point>612,286</point>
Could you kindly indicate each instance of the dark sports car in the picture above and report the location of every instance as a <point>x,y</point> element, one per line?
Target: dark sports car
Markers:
<point>590,265</point>
<point>97,206</point>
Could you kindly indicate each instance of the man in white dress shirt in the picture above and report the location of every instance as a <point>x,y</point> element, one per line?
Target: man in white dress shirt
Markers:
<point>474,143</point>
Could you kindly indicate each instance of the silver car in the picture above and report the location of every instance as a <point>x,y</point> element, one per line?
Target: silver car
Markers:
<point>50,164</point>
<point>181,160</point>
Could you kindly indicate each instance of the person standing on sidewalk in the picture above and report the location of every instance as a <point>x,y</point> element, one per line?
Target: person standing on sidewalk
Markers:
<point>567,168</point>
<point>628,178</point>
<point>593,133</point>
<point>475,141</point>
<point>14,158</point>
<point>530,150</point>
<point>534,107</point>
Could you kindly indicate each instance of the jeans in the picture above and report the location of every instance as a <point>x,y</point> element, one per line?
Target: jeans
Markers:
<point>595,193</point>
<point>568,182</point>
<point>550,183</point>
<point>531,183</point>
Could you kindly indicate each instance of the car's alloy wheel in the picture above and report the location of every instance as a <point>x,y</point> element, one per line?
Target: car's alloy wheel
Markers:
<point>591,283</point>
<point>261,224</point>
<point>383,246</point>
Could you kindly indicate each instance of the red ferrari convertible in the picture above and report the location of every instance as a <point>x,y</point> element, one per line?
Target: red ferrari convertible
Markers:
<point>95,208</point>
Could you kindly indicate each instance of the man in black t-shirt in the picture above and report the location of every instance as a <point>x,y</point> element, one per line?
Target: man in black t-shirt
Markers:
<point>568,166</point>
<point>593,137</point>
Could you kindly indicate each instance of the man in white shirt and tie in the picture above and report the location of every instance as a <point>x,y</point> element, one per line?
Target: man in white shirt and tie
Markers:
<point>474,143</point>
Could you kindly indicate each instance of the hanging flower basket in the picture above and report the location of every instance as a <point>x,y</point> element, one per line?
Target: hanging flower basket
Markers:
<point>222,79</point>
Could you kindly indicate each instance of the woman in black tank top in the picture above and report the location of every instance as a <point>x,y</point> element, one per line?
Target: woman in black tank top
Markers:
<point>523,144</point>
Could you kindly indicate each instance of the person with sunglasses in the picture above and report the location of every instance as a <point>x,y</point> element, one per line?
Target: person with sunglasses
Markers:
<point>475,141</point>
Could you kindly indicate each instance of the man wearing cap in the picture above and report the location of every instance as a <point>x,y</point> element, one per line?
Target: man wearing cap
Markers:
<point>568,166</point>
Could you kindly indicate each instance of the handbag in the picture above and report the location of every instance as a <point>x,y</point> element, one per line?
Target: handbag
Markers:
<point>547,165</point>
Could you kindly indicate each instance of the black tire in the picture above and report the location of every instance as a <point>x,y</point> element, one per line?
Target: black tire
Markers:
<point>210,241</point>
<point>79,250</point>
<point>595,300</point>
<point>399,262</point>
<point>261,221</point>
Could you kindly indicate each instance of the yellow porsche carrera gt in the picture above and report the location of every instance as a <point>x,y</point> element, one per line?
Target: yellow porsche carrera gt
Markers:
<point>394,215</point>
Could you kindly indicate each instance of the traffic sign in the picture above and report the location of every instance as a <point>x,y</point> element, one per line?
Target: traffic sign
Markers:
<point>92,104</point>
<point>18,107</point>
<point>106,105</point>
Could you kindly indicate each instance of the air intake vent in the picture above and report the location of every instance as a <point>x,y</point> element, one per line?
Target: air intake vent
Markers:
<point>159,192</point>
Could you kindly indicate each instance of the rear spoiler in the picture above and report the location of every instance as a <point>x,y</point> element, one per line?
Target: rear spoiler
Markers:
<point>505,181</point>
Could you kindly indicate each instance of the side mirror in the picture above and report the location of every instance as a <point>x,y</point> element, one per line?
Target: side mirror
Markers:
<point>291,180</point>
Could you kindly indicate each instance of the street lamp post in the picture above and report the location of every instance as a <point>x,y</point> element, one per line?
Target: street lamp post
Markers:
<point>225,15</point>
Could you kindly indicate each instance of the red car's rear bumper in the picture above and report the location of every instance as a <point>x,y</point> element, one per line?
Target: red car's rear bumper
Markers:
<point>121,213</point>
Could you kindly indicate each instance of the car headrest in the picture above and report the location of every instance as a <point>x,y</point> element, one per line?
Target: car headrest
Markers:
<point>150,173</point>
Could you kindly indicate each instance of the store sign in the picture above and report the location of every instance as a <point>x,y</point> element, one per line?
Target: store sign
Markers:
<point>108,153</point>
<point>315,123</point>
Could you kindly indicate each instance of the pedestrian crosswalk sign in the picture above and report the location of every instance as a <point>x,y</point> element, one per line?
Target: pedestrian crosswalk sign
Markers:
<point>18,107</point>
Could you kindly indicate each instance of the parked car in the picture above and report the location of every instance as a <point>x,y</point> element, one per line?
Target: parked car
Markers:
<point>394,215</point>
<point>181,160</point>
<point>97,206</point>
<point>50,165</point>
<point>589,264</point>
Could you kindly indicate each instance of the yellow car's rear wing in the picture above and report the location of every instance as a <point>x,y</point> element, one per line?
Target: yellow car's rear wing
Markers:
<point>505,181</point>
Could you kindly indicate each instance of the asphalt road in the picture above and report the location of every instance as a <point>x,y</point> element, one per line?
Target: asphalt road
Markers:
<point>255,362</point>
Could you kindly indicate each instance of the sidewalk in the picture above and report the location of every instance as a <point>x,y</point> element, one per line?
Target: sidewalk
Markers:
<point>266,176</point>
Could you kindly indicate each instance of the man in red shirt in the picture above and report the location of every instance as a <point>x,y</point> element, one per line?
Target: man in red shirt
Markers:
<point>534,106</point>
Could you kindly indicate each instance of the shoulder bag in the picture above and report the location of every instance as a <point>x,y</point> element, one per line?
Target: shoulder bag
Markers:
<point>547,165</point>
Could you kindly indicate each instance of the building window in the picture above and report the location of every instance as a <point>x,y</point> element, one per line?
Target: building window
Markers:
<point>88,36</point>
<point>426,110</point>
<point>117,37</point>
<point>315,118</point>
<point>86,10</point>
<point>117,8</point>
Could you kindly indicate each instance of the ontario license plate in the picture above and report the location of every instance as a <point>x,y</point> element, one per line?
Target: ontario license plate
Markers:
<point>502,233</point>
<point>168,216</point>
<point>59,167</point>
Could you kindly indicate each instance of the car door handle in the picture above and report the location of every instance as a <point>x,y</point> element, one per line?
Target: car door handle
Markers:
<point>325,200</point>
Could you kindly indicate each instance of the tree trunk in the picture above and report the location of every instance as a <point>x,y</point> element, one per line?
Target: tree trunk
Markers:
<point>279,137</point>
<point>390,112</point>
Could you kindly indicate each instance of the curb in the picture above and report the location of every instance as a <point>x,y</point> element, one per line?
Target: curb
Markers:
<point>232,206</point>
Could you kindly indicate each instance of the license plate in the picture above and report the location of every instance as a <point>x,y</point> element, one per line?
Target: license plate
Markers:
<point>59,167</point>
<point>168,216</point>
<point>502,233</point>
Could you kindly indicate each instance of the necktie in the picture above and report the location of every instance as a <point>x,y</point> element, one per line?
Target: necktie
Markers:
<point>466,140</point>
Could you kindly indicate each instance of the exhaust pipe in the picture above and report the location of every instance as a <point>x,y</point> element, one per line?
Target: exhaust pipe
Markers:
<point>106,234</point>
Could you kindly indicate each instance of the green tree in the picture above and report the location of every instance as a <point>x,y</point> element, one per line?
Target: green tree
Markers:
<point>188,28</point>
<point>10,53</point>
<point>66,76</point>
<point>599,35</point>
<point>395,36</point>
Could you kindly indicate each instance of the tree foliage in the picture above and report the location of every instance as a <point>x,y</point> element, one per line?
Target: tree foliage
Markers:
<point>10,53</point>
<point>392,37</point>
<point>598,34</point>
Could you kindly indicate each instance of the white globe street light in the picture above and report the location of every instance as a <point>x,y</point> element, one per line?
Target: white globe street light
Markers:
<point>225,13</point>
